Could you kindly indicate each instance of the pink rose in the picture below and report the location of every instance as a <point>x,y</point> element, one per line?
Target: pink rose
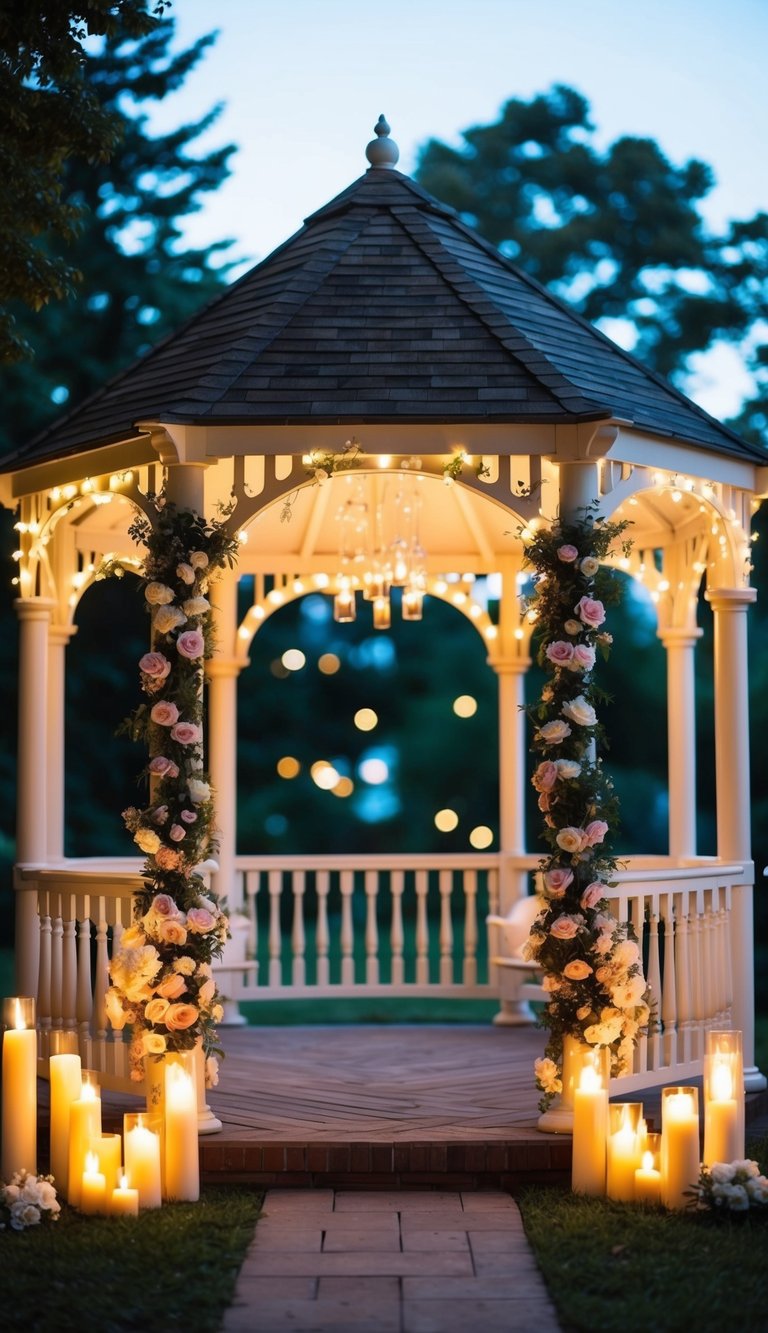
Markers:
<point>566,927</point>
<point>163,905</point>
<point>165,714</point>
<point>546,776</point>
<point>172,932</point>
<point>595,832</point>
<point>155,1011</point>
<point>155,665</point>
<point>567,553</point>
<point>181,1016</point>
<point>171,987</point>
<point>186,733</point>
<point>557,881</point>
<point>590,612</point>
<point>592,895</point>
<point>584,656</point>
<point>577,970</point>
<point>200,920</point>
<point>191,644</point>
<point>160,767</point>
<point>160,814</point>
<point>188,816</point>
<point>559,653</point>
<point>176,833</point>
<point>543,802</point>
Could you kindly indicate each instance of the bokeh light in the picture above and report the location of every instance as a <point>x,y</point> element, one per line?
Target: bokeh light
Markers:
<point>465,706</point>
<point>481,837</point>
<point>365,719</point>
<point>446,820</point>
<point>324,775</point>
<point>288,767</point>
<point>293,659</point>
<point>344,787</point>
<point>329,664</point>
<point>374,771</point>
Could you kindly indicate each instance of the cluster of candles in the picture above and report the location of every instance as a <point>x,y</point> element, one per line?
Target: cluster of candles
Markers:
<point>615,1155</point>
<point>156,1158</point>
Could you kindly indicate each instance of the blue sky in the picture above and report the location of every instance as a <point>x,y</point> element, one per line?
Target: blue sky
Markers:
<point>304,81</point>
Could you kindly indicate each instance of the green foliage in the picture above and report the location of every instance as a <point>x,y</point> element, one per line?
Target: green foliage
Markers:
<point>171,1268</point>
<point>616,231</point>
<point>129,277</point>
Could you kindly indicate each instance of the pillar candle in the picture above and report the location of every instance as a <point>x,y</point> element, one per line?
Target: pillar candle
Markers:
<point>66,1087</point>
<point>93,1187</point>
<point>108,1150</point>
<point>624,1152</point>
<point>19,1151</point>
<point>680,1145</point>
<point>182,1170</point>
<point>142,1160</point>
<point>722,1140</point>
<point>647,1181</point>
<point>84,1131</point>
<point>124,1201</point>
<point>590,1126</point>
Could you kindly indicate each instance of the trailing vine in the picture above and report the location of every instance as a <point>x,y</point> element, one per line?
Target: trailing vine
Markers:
<point>162,982</point>
<point>592,965</point>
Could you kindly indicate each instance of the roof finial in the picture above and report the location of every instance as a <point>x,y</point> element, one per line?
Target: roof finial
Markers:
<point>382,151</point>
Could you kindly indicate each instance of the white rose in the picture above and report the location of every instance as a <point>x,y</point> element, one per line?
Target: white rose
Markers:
<point>168,618</point>
<point>579,711</point>
<point>147,840</point>
<point>199,791</point>
<point>589,566</point>
<point>158,594</point>
<point>196,606</point>
<point>198,559</point>
<point>568,768</point>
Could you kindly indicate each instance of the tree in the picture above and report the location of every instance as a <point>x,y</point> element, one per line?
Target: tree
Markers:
<point>50,117</point>
<point>618,232</point>
<point>138,280</point>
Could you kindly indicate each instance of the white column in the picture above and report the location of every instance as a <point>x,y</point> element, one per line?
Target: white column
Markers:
<point>680,644</point>
<point>31,819</point>
<point>185,487</point>
<point>729,606</point>
<point>58,638</point>
<point>513,767</point>
<point>577,487</point>
<point>222,676</point>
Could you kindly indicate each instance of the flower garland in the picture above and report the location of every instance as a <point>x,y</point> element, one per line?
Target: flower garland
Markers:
<point>162,982</point>
<point>592,965</point>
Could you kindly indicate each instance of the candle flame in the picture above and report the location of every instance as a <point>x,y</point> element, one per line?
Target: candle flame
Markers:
<point>88,1093</point>
<point>123,1182</point>
<point>722,1082</point>
<point>590,1080</point>
<point>19,1023</point>
<point>647,1161</point>
<point>91,1163</point>
<point>680,1105</point>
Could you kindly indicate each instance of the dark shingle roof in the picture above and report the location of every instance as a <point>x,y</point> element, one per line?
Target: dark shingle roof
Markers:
<point>384,307</point>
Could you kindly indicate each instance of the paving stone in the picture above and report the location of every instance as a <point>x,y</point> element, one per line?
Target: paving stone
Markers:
<point>369,1263</point>
<point>286,1239</point>
<point>385,1222</point>
<point>522,1264</point>
<point>303,1316</point>
<point>357,1201</point>
<point>297,1203</point>
<point>254,1288</point>
<point>497,1242</point>
<point>359,1291</point>
<point>454,1288</point>
<point>488,1201</point>
<point>363,1238</point>
<point>435,1240</point>
<point>445,1316</point>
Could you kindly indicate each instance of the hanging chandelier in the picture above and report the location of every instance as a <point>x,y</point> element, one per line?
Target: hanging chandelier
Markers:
<point>380,548</point>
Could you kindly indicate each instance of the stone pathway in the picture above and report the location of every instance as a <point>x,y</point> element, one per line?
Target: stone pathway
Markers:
<point>354,1261</point>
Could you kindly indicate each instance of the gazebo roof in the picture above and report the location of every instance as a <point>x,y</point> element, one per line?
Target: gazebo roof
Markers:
<point>385,307</point>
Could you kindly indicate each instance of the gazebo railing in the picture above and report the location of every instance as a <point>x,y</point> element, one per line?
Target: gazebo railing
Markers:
<point>315,927</point>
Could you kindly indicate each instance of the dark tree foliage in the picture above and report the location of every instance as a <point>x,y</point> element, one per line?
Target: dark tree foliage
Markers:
<point>616,231</point>
<point>138,281</point>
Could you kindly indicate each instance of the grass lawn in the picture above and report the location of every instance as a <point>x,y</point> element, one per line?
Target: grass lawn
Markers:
<point>618,1268</point>
<point>168,1269</point>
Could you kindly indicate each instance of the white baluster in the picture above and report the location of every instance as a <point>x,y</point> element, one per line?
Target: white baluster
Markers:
<point>44,984</point>
<point>57,933</point>
<point>275,933</point>
<point>493,931</point>
<point>710,1002</point>
<point>683,964</point>
<point>422,928</point>
<point>469,971</point>
<point>298,937</point>
<point>371,928</point>
<point>322,935</point>
<point>640,928</point>
<point>347,884</point>
<point>669,986</point>
<point>69,971</point>
<point>84,1008</point>
<point>697,980</point>
<point>727,957</point>
<point>396,934</point>
<point>101,977</point>
<point>446,929</point>
<point>654,982</point>
<point>252,882</point>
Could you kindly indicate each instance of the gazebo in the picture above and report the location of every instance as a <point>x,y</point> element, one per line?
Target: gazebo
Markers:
<point>387,381</point>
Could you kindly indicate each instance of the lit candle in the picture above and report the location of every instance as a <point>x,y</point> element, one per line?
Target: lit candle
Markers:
<point>723,1141</point>
<point>680,1145</point>
<point>108,1149</point>
<point>19,1087</point>
<point>142,1159</point>
<point>647,1181</point>
<point>124,1202</point>
<point>624,1152</point>
<point>382,613</point>
<point>590,1125</point>
<point>84,1132</point>
<point>93,1187</point>
<point>413,601</point>
<point>344,608</point>
<point>66,1088</point>
<point>182,1169</point>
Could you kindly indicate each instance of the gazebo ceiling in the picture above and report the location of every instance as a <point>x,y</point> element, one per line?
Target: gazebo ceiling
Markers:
<point>384,308</point>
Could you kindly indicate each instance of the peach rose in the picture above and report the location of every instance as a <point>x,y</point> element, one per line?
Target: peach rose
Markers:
<point>176,833</point>
<point>546,776</point>
<point>171,987</point>
<point>158,594</point>
<point>595,832</point>
<point>168,618</point>
<point>163,905</point>
<point>180,1016</point>
<point>186,733</point>
<point>154,1043</point>
<point>577,970</point>
<point>154,665</point>
<point>571,839</point>
<point>164,714</point>
<point>172,932</point>
<point>567,553</point>
<point>185,572</point>
<point>566,927</point>
<point>167,858</point>
<point>592,895</point>
<point>155,1011</point>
